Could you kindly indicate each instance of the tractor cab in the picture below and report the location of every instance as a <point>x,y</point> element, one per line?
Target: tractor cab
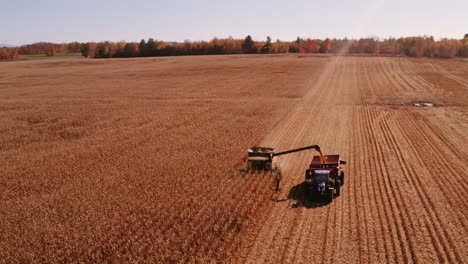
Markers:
<point>317,176</point>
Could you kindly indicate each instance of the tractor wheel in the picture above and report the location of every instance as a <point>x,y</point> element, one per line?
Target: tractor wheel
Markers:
<point>338,187</point>
<point>342,178</point>
<point>330,196</point>
<point>306,191</point>
<point>244,172</point>
<point>312,194</point>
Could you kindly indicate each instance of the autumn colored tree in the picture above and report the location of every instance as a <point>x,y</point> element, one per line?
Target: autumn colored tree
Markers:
<point>88,49</point>
<point>248,46</point>
<point>106,50</point>
<point>152,47</point>
<point>142,49</point>
<point>464,49</point>
<point>448,47</point>
<point>130,50</point>
<point>374,46</point>
<point>232,46</point>
<point>73,47</point>
<point>325,46</point>
<point>9,54</point>
<point>280,47</point>
<point>85,50</point>
<point>409,46</point>
<point>50,50</point>
<point>307,46</point>
<point>418,46</point>
<point>390,46</point>
<point>294,46</point>
<point>430,47</point>
<point>215,46</point>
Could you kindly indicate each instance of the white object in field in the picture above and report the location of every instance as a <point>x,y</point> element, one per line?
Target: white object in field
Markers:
<point>428,104</point>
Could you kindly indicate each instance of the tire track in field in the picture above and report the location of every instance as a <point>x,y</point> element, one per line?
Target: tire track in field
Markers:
<point>409,170</point>
<point>426,150</point>
<point>398,153</point>
<point>369,207</point>
<point>288,126</point>
<point>446,73</point>
<point>359,172</point>
<point>439,134</point>
<point>391,191</point>
<point>450,249</point>
<point>343,80</point>
<point>311,118</point>
<point>385,213</point>
<point>304,117</point>
<point>332,228</point>
<point>384,206</point>
<point>342,233</point>
<point>377,149</point>
<point>429,218</point>
<point>433,228</point>
<point>308,236</point>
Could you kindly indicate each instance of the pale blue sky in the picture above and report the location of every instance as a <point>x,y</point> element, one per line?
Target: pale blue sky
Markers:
<point>27,21</point>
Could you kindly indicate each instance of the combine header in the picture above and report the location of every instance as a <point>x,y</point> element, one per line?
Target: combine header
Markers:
<point>323,178</point>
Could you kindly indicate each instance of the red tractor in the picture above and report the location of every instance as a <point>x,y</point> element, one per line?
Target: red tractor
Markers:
<point>324,177</point>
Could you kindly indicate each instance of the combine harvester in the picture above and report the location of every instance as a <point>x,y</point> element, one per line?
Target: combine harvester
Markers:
<point>324,177</point>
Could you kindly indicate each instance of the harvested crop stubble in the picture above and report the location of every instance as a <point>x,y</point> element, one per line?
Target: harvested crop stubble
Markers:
<point>130,160</point>
<point>136,160</point>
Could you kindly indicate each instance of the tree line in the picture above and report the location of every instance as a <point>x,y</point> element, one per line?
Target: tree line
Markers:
<point>8,54</point>
<point>409,46</point>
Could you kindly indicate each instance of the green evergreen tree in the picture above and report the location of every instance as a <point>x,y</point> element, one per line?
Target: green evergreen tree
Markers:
<point>130,50</point>
<point>151,48</point>
<point>298,40</point>
<point>248,46</point>
<point>142,52</point>
<point>85,50</point>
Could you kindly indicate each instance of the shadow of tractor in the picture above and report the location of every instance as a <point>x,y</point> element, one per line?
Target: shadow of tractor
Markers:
<point>298,194</point>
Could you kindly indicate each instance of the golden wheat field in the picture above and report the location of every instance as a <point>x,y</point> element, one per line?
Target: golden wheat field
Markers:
<point>137,160</point>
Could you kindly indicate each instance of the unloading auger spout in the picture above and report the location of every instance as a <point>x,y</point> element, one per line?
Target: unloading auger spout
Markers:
<point>316,147</point>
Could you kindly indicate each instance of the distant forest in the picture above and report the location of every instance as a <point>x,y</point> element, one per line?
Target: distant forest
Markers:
<point>408,46</point>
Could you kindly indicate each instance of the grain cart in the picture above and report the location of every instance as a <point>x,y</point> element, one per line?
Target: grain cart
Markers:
<point>324,177</point>
<point>261,159</point>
